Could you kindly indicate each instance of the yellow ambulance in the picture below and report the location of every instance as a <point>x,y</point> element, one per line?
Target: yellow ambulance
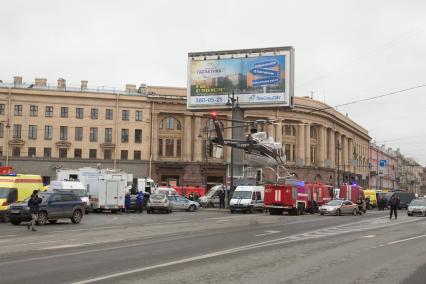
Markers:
<point>15,188</point>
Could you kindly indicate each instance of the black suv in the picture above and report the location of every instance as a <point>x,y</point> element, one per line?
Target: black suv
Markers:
<point>55,205</point>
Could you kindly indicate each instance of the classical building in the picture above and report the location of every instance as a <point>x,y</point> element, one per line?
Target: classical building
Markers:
<point>383,167</point>
<point>409,174</point>
<point>148,131</point>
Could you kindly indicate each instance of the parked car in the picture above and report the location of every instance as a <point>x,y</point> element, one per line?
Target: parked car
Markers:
<point>55,205</point>
<point>182,203</point>
<point>166,191</point>
<point>75,187</point>
<point>338,207</point>
<point>158,202</point>
<point>417,207</point>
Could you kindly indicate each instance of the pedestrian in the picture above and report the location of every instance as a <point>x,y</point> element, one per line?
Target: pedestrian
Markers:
<point>393,203</point>
<point>33,204</point>
<point>191,196</point>
<point>367,203</point>
<point>139,202</point>
<point>222,199</point>
<point>359,203</point>
<point>127,201</point>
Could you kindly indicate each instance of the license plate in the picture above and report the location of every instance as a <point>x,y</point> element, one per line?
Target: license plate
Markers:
<point>14,211</point>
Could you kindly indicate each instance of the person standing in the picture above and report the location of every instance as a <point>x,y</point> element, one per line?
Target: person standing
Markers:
<point>393,203</point>
<point>127,201</point>
<point>33,204</point>
<point>222,199</point>
<point>139,202</point>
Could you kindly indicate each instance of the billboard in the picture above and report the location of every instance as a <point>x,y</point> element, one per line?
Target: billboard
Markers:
<point>257,78</point>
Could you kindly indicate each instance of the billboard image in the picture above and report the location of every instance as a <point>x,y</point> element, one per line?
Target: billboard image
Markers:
<point>257,79</point>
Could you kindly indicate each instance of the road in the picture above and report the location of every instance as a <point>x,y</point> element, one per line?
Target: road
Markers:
<point>212,246</point>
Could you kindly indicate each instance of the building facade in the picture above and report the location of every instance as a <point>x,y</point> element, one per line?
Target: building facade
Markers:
<point>148,131</point>
<point>383,167</point>
<point>409,174</point>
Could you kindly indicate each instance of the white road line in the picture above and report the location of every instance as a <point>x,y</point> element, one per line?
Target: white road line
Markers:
<point>80,230</point>
<point>406,240</point>
<point>7,236</point>
<point>367,236</point>
<point>267,233</point>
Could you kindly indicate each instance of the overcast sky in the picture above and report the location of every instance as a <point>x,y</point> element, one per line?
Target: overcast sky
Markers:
<point>345,50</point>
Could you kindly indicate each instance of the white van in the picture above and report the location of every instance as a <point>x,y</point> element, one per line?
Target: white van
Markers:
<point>247,198</point>
<point>76,187</point>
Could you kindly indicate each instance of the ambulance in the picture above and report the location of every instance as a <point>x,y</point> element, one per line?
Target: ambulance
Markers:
<point>15,188</point>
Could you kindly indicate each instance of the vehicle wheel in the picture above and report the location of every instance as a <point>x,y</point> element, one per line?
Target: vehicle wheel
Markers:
<point>170,210</point>
<point>5,218</point>
<point>338,213</point>
<point>354,212</point>
<point>148,211</point>
<point>76,217</point>
<point>322,214</point>
<point>16,223</point>
<point>232,211</point>
<point>42,218</point>
<point>210,205</point>
<point>302,210</point>
<point>409,214</point>
<point>192,208</point>
<point>53,221</point>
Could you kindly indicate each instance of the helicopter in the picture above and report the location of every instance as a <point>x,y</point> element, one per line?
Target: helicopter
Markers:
<point>260,149</point>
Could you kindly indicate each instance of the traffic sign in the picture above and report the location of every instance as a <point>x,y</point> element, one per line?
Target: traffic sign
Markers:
<point>383,163</point>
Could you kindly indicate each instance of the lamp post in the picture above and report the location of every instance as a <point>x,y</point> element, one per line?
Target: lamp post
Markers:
<point>338,148</point>
<point>233,103</point>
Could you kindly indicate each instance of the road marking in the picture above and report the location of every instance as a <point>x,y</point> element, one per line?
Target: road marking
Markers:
<point>368,236</point>
<point>406,240</point>
<point>7,236</point>
<point>80,230</point>
<point>267,233</point>
<point>79,245</point>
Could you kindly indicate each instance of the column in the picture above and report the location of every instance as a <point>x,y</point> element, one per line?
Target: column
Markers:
<point>198,155</point>
<point>307,145</point>
<point>350,154</point>
<point>187,138</point>
<point>279,132</point>
<point>154,137</point>
<point>322,153</point>
<point>331,148</point>
<point>344,153</point>
<point>338,138</point>
<point>300,143</point>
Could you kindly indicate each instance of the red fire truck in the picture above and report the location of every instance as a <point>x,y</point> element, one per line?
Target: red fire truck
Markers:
<point>349,192</point>
<point>296,198</point>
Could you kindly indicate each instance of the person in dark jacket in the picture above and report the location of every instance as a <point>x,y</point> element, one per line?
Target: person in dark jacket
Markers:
<point>127,201</point>
<point>393,204</point>
<point>222,199</point>
<point>139,202</point>
<point>33,204</point>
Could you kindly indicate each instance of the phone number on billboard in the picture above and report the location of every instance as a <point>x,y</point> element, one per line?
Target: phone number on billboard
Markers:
<point>210,100</point>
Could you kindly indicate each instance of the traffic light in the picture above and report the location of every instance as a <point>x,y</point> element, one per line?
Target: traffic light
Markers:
<point>214,114</point>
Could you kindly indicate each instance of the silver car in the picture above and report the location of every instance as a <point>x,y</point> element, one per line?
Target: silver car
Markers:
<point>158,202</point>
<point>338,207</point>
<point>182,203</point>
<point>417,207</point>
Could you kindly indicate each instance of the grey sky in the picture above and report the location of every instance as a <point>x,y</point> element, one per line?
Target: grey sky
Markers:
<point>345,50</point>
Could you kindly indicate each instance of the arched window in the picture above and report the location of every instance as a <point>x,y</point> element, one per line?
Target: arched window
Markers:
<point>289,130</point>
<point>314,133</point>
<point>170,123</point>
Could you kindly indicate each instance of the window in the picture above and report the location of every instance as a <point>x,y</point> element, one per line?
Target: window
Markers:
<point>2,108</point>
<point>48,132</point>
<point>49,111</point>
<point>92,154</point>
<point>77,153</point>
<point>79,112</point>
<point>32,132</point>
<point>18,110</point>
<point>79,134</point>
<point>138,135</point>
<point>107,154</point>
<point>109,114</point>
<point>63,133</point>
<point>171,123</point>
<point>31,152</point>
<point>124,154</point>
<point>63,153</point>
<point>178,147</point>
<point>33,110</point>
<point>169,147</point>
<point>93,134</point>
<point>47,152</point>
<point>64,111</point>
<point>313,154</point>
<point>160,147</point>
<point>313,133</point>
<point>108,135</point>
<point>17,131</point>
<point>289,152</point>
<point>124,135</point>
<point>1,130</point>
<point>137,155</point>
<point>125,115</point>
<point>16,152</point>
<point>289,130</point>
<point>94,113</point>
<point>138,115</point>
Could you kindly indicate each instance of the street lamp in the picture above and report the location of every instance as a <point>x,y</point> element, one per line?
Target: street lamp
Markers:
<point>233,103</point>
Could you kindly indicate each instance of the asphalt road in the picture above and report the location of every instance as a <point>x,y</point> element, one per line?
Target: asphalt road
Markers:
<point>215,246</point>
